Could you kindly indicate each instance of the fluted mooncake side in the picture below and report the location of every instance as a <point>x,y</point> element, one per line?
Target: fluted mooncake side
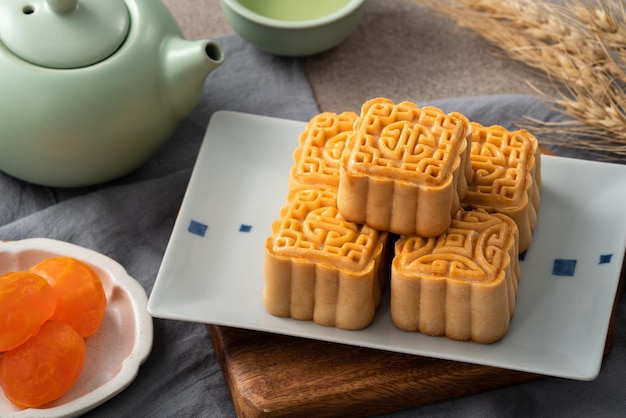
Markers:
<point>404,169</point>
<point>462,284</point>
<point>506,176</point>
<point>320,146</point>
<point>320,267</point>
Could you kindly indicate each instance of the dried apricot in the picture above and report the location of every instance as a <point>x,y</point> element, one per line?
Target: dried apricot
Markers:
<point>43,368</point>
<point>26,302</point>
<point>81,300</point>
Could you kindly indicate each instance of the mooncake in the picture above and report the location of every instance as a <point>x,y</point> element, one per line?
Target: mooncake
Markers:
<point>462,284</point>
<point>320,267</point>
<point>506,176</point>
<point>404,168</point>
<point>320,146</point>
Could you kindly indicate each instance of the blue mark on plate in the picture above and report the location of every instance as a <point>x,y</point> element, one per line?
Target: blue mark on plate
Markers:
<point>563,267</point>
<point>245,228</point>
<point>522,256</point>
<point>605,258</point>
<point>197,228</point>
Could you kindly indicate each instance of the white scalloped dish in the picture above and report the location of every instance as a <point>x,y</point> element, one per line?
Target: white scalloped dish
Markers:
<point>114,353</point>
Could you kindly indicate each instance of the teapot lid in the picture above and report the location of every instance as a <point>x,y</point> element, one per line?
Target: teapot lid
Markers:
<point>63,33</point>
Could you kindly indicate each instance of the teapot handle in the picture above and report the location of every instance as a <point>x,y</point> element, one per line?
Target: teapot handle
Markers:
<point>63,6</point>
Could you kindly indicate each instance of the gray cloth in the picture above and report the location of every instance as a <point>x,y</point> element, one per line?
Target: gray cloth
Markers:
<point>130,220</point>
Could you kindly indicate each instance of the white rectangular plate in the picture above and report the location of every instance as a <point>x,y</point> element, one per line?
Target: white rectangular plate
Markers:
<point>212,271</point>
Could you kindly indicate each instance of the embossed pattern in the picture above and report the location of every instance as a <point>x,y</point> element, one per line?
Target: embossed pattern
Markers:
<point>321,144</point>
<point>404,169</point>
<point>311,223</point>
<point>406,142</point>
<point>506,176</point>
<point>462,284</point>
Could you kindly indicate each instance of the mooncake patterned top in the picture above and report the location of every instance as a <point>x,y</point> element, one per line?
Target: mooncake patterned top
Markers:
<point>477,247</point>
<point>405,142</point>
<point>321,144</point>
<point>311,227</point>
<point>503,166</point>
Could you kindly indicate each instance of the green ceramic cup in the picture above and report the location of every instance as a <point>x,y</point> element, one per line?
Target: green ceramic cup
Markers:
<point>294,27</point>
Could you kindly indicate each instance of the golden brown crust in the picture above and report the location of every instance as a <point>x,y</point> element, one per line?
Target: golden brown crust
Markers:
<point>462,284</point>
<point>506,176</point>
<point>320,267</point>
<point>404,168</point>
<point>464,211</point>
<point>321,144</point>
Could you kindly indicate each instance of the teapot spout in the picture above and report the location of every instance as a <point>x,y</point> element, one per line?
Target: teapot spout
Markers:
<point>187,64</point>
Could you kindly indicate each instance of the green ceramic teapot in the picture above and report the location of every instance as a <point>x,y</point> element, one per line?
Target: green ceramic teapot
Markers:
<point>91,89</point>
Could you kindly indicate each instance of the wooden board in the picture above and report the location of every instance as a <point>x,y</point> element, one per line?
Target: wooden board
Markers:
<point>277,376</point>
<point>271,375</point>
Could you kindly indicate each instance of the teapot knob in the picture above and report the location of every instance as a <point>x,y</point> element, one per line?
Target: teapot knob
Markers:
<point>63,6</point>
<point>63,33</point>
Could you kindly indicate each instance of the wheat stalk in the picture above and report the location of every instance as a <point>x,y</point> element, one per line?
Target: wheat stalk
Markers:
<point>580,47</point>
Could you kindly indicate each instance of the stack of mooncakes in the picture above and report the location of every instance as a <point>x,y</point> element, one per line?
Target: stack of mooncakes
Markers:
<point>319,266</point>
<point>461,198</point>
